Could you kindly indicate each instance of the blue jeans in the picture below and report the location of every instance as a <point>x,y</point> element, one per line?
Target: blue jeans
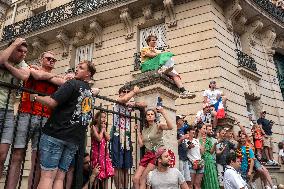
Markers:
<point>56,153</point>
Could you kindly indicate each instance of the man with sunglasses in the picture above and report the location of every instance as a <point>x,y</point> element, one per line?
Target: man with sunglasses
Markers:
<point>32,116</point>
<point>13,70</point>
<point>64,132</point>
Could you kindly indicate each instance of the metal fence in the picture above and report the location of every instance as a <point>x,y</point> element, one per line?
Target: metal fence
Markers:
<point>132,115</point>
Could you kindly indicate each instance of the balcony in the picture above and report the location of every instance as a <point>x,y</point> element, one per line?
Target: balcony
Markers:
<point>275,11</point>
<point>247,65</point>
<point>54,16</point>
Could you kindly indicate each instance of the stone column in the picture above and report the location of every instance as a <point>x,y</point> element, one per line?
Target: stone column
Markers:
<point>152,86</point>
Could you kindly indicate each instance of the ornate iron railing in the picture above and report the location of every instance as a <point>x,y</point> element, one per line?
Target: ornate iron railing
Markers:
<point>273,10</point>
<point>54,16</point>
<point>246,61</point>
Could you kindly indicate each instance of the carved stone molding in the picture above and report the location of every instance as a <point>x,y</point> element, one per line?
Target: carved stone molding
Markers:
<point>3,8</point>
<point>79,36</point>
<point>65,41</point>
<point>125,17</point>
<point>248,37</point>
<point>36,4</point>
<point>278,43</point>
<point>97,32</point>
<point>147,12</point>
<point>38,47</point>
<point>170,9</point>
<point>251,89</point>
<point>268,37</point>
<point>249,74</point>
<point>232,11</point>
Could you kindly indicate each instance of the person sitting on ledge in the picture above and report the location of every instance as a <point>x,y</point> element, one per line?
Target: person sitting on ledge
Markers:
<point>153,59</point>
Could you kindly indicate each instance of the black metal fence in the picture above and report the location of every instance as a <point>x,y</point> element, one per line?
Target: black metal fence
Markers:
<point>116,114</point>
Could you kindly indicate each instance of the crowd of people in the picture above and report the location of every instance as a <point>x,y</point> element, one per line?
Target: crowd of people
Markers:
<point>56,123</point>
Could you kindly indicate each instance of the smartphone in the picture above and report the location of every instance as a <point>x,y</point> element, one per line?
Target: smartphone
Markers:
<point>159,102</point>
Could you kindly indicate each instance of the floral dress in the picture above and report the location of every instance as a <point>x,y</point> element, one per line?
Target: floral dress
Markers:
<point>100,156</point>
<point>210,178</point>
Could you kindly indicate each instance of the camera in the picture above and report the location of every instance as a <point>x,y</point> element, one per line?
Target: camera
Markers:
<point>159,102</point>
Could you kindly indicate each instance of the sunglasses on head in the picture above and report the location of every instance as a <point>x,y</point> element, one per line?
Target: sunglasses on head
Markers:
<point>50,59</point>
<point>125,91</point>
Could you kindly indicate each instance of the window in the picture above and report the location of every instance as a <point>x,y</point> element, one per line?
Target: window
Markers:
<point>251,108</point>
<point>237,40</point>
<point>279,62</point>
<point>158,30</point>
<point>84,53</point>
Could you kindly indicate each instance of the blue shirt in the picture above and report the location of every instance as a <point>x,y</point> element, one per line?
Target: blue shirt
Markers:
<point>182,147</point>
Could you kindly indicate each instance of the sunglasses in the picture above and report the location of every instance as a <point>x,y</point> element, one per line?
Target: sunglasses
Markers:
<point>125,91</point>
<point>50,59</point>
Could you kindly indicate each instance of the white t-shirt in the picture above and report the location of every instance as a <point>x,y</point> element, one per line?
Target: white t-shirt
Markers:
<point>171,179</point>
<point>194,153</point>
<point>233,180</point>
<point>281,153</point>
<point>206,118</point>
<point>212,95</point>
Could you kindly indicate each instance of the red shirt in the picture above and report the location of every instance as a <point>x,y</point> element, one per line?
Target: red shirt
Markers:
<point>36,108</point>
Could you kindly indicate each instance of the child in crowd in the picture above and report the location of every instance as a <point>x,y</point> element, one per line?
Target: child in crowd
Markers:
<point>258,133</point>
<point>100,155</point>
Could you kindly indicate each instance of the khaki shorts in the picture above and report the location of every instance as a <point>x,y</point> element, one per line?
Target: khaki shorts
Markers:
<point>267,141</point>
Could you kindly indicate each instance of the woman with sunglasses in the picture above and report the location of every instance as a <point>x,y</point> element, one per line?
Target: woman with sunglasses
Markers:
<point>152,138</point>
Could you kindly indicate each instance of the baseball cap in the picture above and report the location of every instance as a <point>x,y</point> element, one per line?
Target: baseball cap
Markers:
<point>263,111</point>
<point>212,81</point>
<point>180,117</point>
<point>160,151</point>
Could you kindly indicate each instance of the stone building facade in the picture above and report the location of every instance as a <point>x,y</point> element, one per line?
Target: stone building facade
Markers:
<point>238,43</point>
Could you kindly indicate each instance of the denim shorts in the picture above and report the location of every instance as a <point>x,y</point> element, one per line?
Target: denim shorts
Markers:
<point>257,165</point>
<point>28,126</point>
<point>194,171</point>
<point>6,126</point>
<point>56,153</point>
<point>184,169</point>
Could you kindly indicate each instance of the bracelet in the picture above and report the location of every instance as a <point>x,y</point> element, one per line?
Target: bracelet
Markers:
<point>34,98</point>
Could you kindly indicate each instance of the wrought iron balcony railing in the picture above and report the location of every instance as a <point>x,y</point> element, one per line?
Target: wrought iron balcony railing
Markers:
<point>53,16</point>
<point>276,12</point>
<point>246,61</point>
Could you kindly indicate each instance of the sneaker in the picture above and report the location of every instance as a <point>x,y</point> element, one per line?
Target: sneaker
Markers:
<point>274,187</point>
<point>165,70</point>
<point>275,163</point>
<point>267,187</point>
<point>186,94</point>
<point>253,185</point>
<point>269,162</point>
